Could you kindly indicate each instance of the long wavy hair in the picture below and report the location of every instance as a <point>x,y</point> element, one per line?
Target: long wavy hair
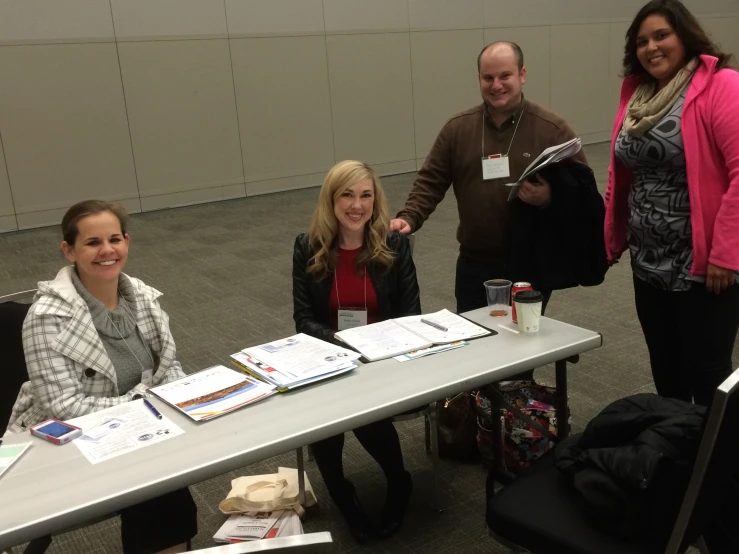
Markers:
<point>688,29</point>
<point>323,233</point>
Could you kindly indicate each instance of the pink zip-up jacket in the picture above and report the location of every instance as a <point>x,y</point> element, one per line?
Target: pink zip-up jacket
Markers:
<point>710,131</point>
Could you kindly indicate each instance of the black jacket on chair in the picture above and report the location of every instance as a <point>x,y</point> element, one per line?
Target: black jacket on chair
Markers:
<point>396,288</point>
<point>561,246</point>
<point>631,465</point>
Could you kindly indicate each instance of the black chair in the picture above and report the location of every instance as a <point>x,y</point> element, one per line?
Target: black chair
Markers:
<point>539,512</point>
<point>12,314</point>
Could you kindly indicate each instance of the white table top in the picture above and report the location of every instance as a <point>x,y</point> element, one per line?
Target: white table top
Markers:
<point>53,487</point>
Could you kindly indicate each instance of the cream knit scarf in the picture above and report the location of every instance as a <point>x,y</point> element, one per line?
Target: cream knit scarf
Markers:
<point>646,108</point>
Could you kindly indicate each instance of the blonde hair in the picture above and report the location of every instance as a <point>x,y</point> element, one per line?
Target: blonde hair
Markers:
<point>324,227</point>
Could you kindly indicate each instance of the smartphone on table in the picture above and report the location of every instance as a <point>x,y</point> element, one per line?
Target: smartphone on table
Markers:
<point>55,431</point>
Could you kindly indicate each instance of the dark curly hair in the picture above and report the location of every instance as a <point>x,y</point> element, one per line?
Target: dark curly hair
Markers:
<point>688,29</point>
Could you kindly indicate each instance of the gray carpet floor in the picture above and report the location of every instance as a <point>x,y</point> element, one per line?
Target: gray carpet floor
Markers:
<point>225,270</point>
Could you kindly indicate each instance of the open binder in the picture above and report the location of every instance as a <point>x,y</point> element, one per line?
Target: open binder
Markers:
<point>394,337</point>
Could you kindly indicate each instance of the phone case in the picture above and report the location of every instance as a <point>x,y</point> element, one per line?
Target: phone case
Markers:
<point>56,440</point>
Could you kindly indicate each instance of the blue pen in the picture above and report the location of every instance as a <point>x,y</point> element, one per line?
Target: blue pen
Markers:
<point>152,409</point>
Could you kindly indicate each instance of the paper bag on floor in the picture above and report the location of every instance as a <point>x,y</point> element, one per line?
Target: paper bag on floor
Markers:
<point>266,493</point>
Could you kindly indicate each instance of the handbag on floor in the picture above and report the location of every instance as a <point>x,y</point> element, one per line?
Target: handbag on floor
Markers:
<point>457,427</point>
<point>267,493</point>
<point>529,423</point>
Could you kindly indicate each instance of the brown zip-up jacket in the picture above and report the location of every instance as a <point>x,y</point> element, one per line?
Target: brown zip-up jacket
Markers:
<point>456,159</point>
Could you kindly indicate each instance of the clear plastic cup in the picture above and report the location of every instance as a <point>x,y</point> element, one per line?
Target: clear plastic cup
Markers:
<point>498,292</point>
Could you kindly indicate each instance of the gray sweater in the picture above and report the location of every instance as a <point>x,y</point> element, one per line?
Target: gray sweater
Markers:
<point>119,334</point>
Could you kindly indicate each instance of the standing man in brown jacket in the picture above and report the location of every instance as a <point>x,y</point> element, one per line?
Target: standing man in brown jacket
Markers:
<point>479,151</point>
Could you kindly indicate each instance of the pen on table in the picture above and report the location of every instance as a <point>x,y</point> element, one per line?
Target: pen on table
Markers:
<point>152,409</point>
<point>434,324</point>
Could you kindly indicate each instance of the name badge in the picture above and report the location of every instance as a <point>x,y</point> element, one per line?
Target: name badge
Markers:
<point>147,377</point>
<point>495,167</point>
<point>350,318</point>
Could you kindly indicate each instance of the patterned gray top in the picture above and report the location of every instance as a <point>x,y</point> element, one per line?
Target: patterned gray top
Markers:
<point>659,232</point>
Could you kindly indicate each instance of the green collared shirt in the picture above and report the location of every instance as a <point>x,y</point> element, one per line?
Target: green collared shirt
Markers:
<point>510,121</point>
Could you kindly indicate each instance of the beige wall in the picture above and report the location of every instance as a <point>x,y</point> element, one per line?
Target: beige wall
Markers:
<point>160,103</point>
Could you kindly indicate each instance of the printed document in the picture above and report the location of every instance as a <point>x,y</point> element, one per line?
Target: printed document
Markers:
<point>10,453</point>
<point>393,337</point>
<point>213,392</point>
<point>301,356</point>
<point>383,340</point>
<point>121,429</point>
<point>457,327</point>
<point>259,525</point>
<point>550,156</point>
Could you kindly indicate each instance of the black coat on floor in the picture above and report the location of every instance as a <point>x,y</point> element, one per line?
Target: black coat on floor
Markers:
<point>560,246</point>
<point>631,465</point>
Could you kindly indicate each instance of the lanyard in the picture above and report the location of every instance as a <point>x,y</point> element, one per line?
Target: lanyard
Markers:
<point>520,117</point>
<point>336,285</point>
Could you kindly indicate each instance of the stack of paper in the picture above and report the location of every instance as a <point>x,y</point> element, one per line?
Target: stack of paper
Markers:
<point>295,361</point>
<point>393,337</point>
<point>259,525</point>
<point>212,392</point>
<point>550,156</point>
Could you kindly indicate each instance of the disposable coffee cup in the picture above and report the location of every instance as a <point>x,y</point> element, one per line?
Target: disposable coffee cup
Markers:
<point>528,310</point>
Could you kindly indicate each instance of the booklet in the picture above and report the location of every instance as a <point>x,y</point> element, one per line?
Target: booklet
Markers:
<point>394,337</point>
<point>259,525</point>
<point>295,361</point>
<point>550,156</point>
<point>213,392</point>
<point>10,453</point>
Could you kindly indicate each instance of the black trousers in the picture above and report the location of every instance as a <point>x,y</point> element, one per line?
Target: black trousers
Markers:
<point>690,336</point>
<point>159,523</point>
<point>380,439</point>
<point>472,273</point>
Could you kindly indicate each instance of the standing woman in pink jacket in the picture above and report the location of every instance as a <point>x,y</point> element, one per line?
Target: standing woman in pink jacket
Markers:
<point>673,197</point>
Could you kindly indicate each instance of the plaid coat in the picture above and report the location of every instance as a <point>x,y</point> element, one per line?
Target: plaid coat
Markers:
<point>70,373</point>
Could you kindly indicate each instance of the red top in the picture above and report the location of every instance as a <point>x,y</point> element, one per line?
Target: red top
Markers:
<point>351,289</point>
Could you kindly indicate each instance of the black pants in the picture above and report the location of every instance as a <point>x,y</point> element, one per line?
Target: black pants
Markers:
<point>471,274</point>
<point>690,336</point>
<point>380,439</point>
<point>159,523</point>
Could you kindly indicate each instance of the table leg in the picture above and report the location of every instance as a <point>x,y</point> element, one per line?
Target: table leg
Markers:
<point>434,447</point>
<point>563,421</point>
<point>301,477</point>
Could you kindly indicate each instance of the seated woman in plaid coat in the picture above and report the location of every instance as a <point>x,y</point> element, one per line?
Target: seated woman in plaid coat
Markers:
<point>95,338</point>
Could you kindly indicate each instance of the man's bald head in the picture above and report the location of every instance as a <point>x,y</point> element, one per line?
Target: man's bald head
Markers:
<point>504,44</point>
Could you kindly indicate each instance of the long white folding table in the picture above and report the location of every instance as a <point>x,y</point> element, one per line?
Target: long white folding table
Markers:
<point>53,488</point>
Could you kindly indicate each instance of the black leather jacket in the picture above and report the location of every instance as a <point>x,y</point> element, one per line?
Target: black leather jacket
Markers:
<point>396,288</point>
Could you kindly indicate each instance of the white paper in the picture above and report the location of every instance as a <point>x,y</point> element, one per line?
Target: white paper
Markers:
<point>383,340</point>
<point>121,429</point>
<point>550,156</point>
<point>495,168</point>
<point>212,392</point>
<point>458,328</point>
<point>430,350</point>
<point>10,453</point>
<point>253,525</point>
<point>256,525</point>
<point>271,375</point>
<point>302,356</point>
